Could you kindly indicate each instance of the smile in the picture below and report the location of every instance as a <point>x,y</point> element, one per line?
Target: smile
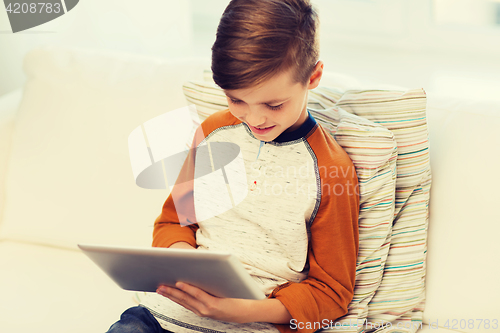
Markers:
<point>263,130</point>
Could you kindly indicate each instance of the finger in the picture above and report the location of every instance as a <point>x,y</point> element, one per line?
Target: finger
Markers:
<point>172,292</point>
<point>183,303</point>
<point>181,298</point>
<point>204,302</point>
<point>195,292</point>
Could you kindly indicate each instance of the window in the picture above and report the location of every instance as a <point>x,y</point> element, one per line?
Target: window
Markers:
<point>467,13</point>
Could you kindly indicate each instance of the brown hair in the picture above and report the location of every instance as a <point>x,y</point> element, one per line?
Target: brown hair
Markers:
<point>257,39</point>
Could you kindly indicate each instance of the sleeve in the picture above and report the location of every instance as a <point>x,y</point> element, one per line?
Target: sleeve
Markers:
<point>168,228</point>
<point>177,221</point>
<point>332,254</point>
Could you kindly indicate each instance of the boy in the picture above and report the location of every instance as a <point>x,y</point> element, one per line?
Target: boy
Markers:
<point>296,229</point>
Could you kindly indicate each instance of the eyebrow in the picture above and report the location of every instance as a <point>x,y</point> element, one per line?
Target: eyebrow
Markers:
<point>274,101</point>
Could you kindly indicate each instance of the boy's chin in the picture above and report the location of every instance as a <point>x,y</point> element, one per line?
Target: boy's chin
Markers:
<point>266,138</point>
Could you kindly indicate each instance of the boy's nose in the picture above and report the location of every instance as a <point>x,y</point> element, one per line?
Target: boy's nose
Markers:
<point>254,117</point>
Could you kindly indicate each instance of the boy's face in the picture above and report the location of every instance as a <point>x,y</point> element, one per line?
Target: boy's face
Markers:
<point>273,107</point>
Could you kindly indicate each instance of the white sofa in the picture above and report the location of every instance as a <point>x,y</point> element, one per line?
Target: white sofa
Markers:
<point>65,178</point>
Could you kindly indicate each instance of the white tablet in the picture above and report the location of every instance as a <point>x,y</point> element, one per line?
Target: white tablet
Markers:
<point>145,269</point>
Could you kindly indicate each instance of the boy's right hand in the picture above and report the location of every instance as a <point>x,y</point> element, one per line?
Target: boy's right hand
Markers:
<point>181,245</point>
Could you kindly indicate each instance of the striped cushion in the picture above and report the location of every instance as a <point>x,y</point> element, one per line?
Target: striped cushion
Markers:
<point>207,97</point>
<point>373,152</point>
<point>393,236</point>
<point>400,298</point>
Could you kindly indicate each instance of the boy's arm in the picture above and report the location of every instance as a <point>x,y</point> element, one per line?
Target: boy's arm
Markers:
<point>177,221</point>
<point>173,227</point>
<point>181,245</point>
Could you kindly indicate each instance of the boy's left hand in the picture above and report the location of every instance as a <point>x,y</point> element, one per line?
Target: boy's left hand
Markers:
<point>205,305</point>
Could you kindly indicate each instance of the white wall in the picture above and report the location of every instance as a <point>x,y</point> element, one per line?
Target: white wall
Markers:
<point>400,42</point>
<point>151,27</point>
<point>395,42</point>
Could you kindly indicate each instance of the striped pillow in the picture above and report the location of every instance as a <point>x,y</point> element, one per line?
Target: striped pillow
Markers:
<point>207,97</point>
<point>373,152</point>
<point>400,299</point>
<point>390,285</point>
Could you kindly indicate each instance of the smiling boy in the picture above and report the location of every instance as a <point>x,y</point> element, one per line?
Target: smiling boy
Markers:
<point>276,106</point>
<point>299,238</point>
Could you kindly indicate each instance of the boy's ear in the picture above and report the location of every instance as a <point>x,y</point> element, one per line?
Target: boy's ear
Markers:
<point>316,75</point>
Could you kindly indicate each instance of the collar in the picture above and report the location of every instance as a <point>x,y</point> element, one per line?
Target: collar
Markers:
<point>300,132</point>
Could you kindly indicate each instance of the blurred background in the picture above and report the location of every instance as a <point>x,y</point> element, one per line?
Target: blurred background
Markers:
<point>448,47</point>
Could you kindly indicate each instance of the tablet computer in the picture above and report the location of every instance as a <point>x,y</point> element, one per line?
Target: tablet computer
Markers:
<point>145,269</point>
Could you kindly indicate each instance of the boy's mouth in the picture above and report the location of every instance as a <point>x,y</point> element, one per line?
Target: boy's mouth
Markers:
<point>261,130</point>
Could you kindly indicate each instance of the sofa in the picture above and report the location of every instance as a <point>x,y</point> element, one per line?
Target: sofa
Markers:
<point>66,178</point>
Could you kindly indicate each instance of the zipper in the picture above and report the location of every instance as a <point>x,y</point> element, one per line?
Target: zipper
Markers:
<point>261,144</point>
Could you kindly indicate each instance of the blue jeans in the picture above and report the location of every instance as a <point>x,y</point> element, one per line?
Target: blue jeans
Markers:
<point>137,320</point>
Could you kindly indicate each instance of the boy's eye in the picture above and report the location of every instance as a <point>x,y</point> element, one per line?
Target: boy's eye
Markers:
<point>235,101</point>
<point>271,107</point>
<point>275,107</point>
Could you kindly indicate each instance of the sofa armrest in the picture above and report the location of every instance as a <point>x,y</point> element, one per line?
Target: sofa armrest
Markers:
<point>9,104</point>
